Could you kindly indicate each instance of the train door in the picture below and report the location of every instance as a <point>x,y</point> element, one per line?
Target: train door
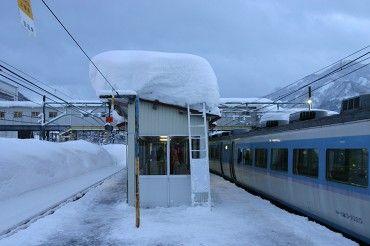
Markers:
<point>232,161</point>
<point>226,159</point>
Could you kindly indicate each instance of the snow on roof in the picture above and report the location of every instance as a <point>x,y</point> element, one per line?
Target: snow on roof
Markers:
<point>234,100</point>
<point>285,113</point>
<point>172,78</point>
<point>27,104</point>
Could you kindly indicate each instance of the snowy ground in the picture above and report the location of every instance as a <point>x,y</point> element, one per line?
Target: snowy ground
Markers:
<point>102,217</point>
<point>37,175</point>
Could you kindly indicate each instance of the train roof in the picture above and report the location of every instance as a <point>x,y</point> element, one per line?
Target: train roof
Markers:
<point>344,117</point>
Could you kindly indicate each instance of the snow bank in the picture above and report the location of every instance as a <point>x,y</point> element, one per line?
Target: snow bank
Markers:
<point>172,78</point>
<point>117,152</point>
<point>29,164</point>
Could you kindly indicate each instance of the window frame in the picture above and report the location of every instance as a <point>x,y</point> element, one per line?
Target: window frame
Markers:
<point>142,159</point>
<point>266,152</point>
<point>251,153</point>
<point>327,166</point>
<point>286,159</point>
<point>316,151</point>
<point>17,114</point>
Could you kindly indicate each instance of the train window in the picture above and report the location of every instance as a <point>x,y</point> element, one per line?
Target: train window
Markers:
<point>306,162</point>
<point>356,102</point>
<point>261,158</point>
<point>347,166</point>
<point>248,157</point>
<point>214,153</point>
<point>350,104</point>
<point>240,156</point>
<point>279,159</point>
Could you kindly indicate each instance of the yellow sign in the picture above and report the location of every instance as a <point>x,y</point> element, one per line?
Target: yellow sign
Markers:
<point>25,11</point>
<point>25,6</point>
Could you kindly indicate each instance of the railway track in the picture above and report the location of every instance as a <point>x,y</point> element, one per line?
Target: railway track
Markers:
<point>51,209</point>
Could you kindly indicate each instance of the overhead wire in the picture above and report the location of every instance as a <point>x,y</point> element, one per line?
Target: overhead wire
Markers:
<point>44,90</point>
<point>331,81</point>
<point>79,46</point>
<point>340,68</point>
<point>321,69</point>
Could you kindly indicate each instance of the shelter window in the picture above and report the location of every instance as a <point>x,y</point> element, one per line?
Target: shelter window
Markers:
<point>348,166</point>
<point>17,114</point>
<point>179,156</point>
<point>261,158</point>
<point>306,162</point>
<point>153,156</point>
<point>248,157</point>
<point>279,159</point>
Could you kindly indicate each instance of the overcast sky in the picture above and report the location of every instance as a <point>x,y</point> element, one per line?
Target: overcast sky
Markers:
<point>253,46</point>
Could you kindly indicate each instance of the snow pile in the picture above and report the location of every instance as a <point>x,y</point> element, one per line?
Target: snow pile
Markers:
<point>117,152</point>
<point>30,164</point>
<point>172,78</point>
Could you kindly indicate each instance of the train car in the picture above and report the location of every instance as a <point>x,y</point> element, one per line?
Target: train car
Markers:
<point>317,166</point>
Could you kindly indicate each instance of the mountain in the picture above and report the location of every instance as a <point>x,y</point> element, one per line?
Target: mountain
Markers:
<point>328,92</point>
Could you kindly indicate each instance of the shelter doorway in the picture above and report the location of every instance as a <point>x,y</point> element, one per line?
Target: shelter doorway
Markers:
<point>164,171</point>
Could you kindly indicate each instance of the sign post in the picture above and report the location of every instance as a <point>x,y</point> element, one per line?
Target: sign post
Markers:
<point>25,11</point>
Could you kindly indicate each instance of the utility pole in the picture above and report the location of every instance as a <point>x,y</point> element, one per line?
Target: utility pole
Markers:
<point>42,134</point>
<point>137,164</point>
<point>309,101</point>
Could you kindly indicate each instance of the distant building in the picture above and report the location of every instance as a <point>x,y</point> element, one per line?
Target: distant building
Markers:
<point>21,118</point>
<point>8,92</point>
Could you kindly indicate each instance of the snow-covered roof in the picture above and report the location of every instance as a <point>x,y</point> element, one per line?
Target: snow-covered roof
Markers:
<point>285,113</point>
<point>235,100</point>
<point>171,78</point>
<point>25,104</point>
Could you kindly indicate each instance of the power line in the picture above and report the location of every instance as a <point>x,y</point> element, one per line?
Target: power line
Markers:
<point>79,46</point>
<point>322,77</point>
<point>331,81</point>
<point>50,107</point>
<point>37,80</point>
<point>321,69</point>
<point>42,89</point>
<point>342,67</point>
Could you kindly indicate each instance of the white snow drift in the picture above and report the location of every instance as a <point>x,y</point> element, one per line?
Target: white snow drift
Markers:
<point>167,77</point>
<point>30,164</point>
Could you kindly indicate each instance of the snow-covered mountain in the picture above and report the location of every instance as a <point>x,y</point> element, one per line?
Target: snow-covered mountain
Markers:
<point>327,93</point>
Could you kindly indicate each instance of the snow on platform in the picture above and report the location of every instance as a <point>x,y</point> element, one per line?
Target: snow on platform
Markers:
<point>102,217</point>
<point>20,208</point>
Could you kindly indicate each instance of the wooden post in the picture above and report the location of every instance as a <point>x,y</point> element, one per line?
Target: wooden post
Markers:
<point>137,164</point>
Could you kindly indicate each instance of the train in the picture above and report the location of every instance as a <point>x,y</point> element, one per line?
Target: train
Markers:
<point>315,164</point>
